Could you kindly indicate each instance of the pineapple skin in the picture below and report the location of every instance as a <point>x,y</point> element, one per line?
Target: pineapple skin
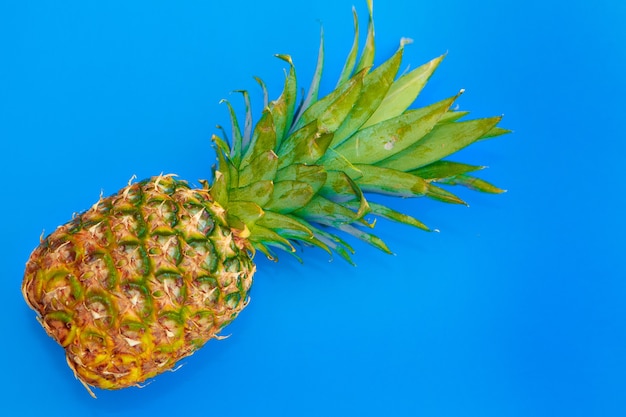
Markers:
<point>140,280</point>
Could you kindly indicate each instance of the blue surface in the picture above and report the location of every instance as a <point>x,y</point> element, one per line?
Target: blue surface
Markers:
<point>517,308</point>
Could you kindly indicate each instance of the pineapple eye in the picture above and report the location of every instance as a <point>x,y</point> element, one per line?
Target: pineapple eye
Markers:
<point>170,322</point>
<point>130,262</point>
<point>233,300</point>
<point>59,324</point>
<point>101,310</point>
<point>136,295</point>
<point>173,289</point>
<point>58,290</point>
<point>206,291</point>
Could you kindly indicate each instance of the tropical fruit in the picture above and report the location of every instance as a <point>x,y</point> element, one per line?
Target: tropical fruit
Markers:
<point>147,276</point>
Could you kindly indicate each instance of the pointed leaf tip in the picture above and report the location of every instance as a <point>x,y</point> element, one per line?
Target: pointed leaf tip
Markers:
<point>285,57</point>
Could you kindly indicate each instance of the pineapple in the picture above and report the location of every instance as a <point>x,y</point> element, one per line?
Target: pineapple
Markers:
<point>147,276</point>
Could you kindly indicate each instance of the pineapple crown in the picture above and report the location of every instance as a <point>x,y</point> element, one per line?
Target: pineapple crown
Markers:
<point>303,172</point>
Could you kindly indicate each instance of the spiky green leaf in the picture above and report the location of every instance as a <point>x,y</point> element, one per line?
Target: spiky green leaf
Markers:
<point>453,116</point>
<point>388,213</point>
<point>263,140</point>
<point>263,167</point>
<point>367,56</point>
<point>237,145</point>
<point>375,87</point>
<point>313,93</point>
<point>285,223</point>
<point>443,140</point>
<point>348,67</point>
<point>330,111</point>
<point>314,175</point>
<point>258,192</point>
<point>283,108</point>
<point>403,92</point>
<point>262,237</point>
<point>365,236</point>
<point>323,211</point>
<point>247,127</point>
<point>388,138</point>
<point>243,213</point>
<point>473,183</point>
<point>340,188</point>
<point>442,195</point>
<point>390,182</point>
<point>305,146</point>
<point>444,169</point>
<point>289,196</point>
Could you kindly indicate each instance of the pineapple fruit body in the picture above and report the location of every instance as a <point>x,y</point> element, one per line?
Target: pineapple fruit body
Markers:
<point>140,280</point>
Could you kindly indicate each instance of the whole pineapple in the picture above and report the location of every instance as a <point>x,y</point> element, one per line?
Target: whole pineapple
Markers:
<point>147,276</point>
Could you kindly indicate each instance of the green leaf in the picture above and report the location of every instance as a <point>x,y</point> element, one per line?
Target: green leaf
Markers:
<point>390,182</point>
<point>220,144</point>
<point>334,161</point>
<point>388,213</point>
<point>323,211</point>
<point>442,195</point>
<point>219,189</point>
<point>221,176</point>
<point>282,223</point>
<point>283,108</point>
<point>265,236</point>
<point>263,139</point>
<point>348,67</point>
<point>363,207</point>
<point>382,140</point>
<point>258,192</point>
<point>305,146</point>
<point>245,212</point>
<point>453,116</point>
<point>473,183</point>
<point>367,56</point>
<point>444,169</point>
<point>247,129</point>
<point>334,242</point>
<point>495,131</point>
<point>263,167</point>
<point>340,188</point>
<point>304,134</point>
<point>330,111</point>
<point>291,228</point>
<point>375,87</point>
<point>315,83</point>
<point>403,92</point>
<point>236,147</point>
<point>258,245</point>
<point>314,175</point>
<point>264,90</point>
<point>289,196</point>
<point>225,165</point>
<point>366,237</point>
<point>445,139</point>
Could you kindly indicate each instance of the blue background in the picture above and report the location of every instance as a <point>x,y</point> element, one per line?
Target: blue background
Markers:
<point>518,306</point>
